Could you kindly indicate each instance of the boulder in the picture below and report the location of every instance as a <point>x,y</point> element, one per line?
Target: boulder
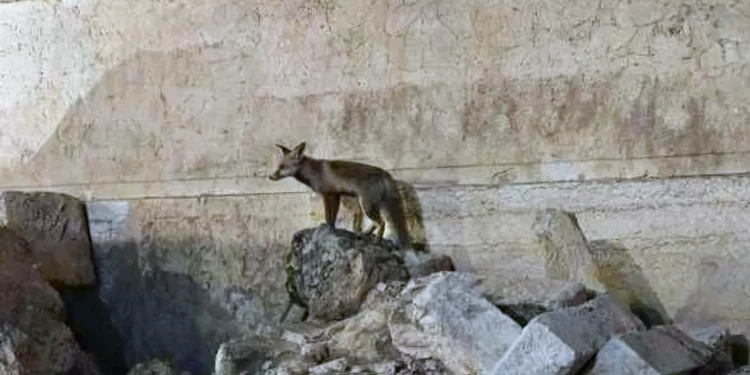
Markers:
<point>365,337</point>
<point>155,367</point>
<point>251,355</point>
<point>562,341</point>
<point>55,227</point>
<point>444,316</point>
<point>332,270</point>
<point>663,350</point>
<point>36,313</point>
<point>422,264</point>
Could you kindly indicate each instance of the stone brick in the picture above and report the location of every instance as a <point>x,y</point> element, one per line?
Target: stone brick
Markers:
<point>562,341</point>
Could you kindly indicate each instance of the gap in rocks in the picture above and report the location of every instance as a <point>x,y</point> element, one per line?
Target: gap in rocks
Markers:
<point>89,319</point>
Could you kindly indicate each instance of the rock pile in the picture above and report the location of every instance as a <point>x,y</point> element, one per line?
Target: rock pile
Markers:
<point>370,308</point>
<point>375,310</point>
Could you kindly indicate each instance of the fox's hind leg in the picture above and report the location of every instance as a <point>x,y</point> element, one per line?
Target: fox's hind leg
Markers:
<point>373,213</point>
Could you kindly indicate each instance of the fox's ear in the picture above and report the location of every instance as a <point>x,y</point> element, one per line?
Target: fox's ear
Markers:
<point>299,150</point>
<point>284,150</point>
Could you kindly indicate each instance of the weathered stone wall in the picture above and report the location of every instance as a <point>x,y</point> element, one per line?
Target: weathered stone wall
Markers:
<point>165,113</point>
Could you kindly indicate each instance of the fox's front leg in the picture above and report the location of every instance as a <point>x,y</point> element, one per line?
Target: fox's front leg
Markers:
<point>331,206</point>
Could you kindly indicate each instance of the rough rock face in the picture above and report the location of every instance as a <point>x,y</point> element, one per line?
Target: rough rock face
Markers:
<point>525,299</point>
<point>155,367</point>
<point>564,247</point>
<point>445,316</point>
<point>423,264</point>
<point>335,269</point>
<point>256,355</point>
<point>14,344</point>
<point>599,265</point>
<point>56,230</point>
<point>560,342</point>
<point>661,350</point>
<point>34,316</point>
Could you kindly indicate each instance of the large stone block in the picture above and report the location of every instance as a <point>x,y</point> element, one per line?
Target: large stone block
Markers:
<point>663,350</point>
<point>56,230</point>
<point>444,316</point>
<point>560,342</point>
<point>565,248</point>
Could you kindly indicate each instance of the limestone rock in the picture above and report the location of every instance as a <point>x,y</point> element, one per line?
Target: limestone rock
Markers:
<point>155,367</point>
<point>335,269</point>
<point>56,229</point>
<point>336,366</point>
<point>663,350</point>
<point>14,345</point>
<point>560,342</point>
<point>423,264</point>
<point>564,247</point>
<point>260,355</point>
<point>33,307</point>
<point>425,366</point>
<point>525,299</point>
<point>365,337</point>
<point>444,316</point>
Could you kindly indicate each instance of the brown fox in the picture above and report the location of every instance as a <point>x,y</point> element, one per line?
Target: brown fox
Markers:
<point>374,188</point>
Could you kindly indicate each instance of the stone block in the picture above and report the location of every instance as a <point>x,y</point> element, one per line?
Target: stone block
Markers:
<point>562,341</point>
<point>56,230</point>
<point>565,248</point>
<point>444,316</point>
<point>663,350</point>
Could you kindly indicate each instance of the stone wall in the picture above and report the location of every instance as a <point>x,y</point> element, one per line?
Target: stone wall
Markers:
<point>164,114</point>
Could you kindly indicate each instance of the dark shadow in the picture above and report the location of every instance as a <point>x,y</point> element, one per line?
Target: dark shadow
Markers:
<point>163,315</point>
<point>739,348</point>
<point>624,280</point>
<point>89,319</point>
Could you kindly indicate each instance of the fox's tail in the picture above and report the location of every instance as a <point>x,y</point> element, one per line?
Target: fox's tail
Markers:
<point>395,209</point>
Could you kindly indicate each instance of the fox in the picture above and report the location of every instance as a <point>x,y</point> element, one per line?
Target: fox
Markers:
<point>374,188</point>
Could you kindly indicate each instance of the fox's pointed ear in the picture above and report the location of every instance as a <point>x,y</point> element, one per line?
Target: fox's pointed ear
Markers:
<point>299,150</point>
<point>284,150</point>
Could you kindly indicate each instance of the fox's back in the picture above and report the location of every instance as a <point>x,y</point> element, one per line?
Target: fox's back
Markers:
<point>355,178</point>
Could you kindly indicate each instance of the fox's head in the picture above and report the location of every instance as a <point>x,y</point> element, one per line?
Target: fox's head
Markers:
<point>290,162</point>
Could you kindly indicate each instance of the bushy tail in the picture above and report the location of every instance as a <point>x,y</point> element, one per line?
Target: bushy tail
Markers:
<point>395,208</point>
